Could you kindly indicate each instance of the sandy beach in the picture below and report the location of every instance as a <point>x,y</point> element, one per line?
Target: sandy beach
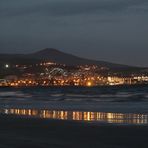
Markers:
<point>22,132</point>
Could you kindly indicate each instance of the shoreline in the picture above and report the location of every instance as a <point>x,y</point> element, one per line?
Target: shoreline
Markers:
<point>80,116</point>
<point>16,132</point>
<point>109,107</point>
<point>73,86</point>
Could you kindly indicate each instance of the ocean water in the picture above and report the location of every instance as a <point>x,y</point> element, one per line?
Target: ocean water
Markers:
<point>112,104</point>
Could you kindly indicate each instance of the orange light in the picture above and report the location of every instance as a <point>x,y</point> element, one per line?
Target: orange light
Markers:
<point>89,84</point>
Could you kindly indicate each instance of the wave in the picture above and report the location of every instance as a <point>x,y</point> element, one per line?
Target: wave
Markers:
<point>71,94</point>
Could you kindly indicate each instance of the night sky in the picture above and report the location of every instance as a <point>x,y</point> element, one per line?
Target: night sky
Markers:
<point>109,30</point>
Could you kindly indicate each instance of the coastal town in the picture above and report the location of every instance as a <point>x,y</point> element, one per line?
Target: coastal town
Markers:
<point>53,74</point>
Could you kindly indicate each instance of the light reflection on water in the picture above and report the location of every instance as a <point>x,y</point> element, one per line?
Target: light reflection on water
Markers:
<point>116,118</point>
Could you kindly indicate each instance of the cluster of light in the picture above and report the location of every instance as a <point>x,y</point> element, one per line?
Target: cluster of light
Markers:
<point>59,75</point>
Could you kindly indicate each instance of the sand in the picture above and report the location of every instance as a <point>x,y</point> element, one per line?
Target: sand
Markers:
<point>20,132</point>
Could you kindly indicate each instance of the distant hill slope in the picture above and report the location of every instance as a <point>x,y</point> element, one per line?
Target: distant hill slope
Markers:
<point>54,55</point>
<point>69,59</point>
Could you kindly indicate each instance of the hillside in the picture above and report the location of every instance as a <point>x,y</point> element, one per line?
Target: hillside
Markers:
<point>54,55</point>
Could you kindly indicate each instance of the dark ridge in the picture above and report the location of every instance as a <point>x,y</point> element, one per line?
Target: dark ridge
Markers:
<point>54,55</point>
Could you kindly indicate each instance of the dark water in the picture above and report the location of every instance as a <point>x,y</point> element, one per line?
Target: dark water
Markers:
<point>116,104</point>
<point>80,94</point>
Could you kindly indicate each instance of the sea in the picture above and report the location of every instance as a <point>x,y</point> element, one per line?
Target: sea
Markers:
<point>99,105</point>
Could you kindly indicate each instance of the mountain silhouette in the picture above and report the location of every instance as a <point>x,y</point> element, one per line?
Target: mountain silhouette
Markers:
<point>57,56</point>
<point>60,57</point>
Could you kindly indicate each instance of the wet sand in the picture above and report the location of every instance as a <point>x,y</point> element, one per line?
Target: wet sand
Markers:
<point>20,132</point>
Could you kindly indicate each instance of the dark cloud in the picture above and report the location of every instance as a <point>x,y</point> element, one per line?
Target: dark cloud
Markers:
<point>66,7</point>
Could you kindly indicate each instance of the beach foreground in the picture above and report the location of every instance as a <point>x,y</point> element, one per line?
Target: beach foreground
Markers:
<point>22,132</point>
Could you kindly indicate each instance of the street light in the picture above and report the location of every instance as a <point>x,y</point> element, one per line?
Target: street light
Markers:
<point>6,66</point>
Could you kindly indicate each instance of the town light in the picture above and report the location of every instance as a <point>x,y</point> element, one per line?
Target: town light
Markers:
<point>89,84</point>
<point>6,66</point>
